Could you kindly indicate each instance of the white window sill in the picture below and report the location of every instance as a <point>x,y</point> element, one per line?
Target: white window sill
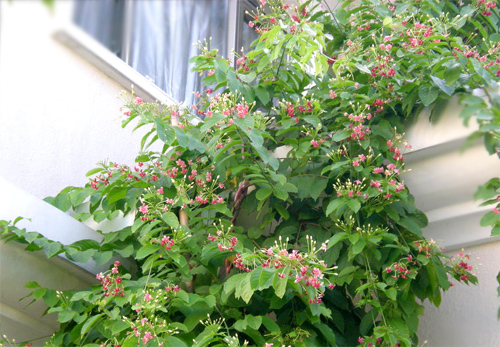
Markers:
<point>88,48</point>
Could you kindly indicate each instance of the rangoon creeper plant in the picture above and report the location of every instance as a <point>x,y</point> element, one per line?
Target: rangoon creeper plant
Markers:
<point>275,213</point>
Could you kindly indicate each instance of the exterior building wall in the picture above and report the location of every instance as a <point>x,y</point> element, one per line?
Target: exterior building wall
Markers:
<point>443,180</point>
<point>59,115</point>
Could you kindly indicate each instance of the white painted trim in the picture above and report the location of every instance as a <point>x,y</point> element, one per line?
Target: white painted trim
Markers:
<point>24,319</point>
<point>45,219</point>
<point>111,65</point>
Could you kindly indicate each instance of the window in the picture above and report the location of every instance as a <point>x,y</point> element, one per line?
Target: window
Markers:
<point>155,36</point>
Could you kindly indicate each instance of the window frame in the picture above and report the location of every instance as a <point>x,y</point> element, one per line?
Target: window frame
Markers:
<point>118,68</point>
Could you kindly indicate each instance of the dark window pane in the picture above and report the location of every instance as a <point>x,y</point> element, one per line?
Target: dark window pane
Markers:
<point>163,37</point>
<point>103,20</point>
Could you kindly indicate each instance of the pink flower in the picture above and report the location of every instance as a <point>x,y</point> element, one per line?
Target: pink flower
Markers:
<point>138,100</point>
<point>263,2</point>
<point>314,143</point>
<point>333,95</point>
<point>148,297</point>
<point>143,209</point>
<point>147,337</point>
<point>495,210</point>
<point>251,24</point>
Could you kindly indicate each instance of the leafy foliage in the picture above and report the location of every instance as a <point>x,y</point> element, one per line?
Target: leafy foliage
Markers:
<point>275,206</point>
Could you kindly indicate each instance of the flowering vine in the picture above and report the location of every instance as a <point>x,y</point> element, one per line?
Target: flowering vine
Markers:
<point>275,213</point>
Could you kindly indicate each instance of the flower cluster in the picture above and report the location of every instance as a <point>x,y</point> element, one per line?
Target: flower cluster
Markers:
<point>462,267</point>
<point>485,7</point>
<point>400,269</point>
<point>111,281</point>
<point>225,242</point>
<point>427,247</point>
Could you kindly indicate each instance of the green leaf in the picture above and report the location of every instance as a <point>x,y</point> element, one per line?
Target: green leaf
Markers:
<point>336,239</point>
<point>261,278</point>
<point>391,293</point>
<point>453,74</point>
<point>334,205</point>
<point>263,193</point>
<point>171,219</point>
<point>254,322</point>
<point>31,285</point>
<point>496,230</point>
<point>280,192</point>
<point>263,95</point>
<point>94,171</point>
<point>341,135</point>
<point>84,245</point>
<point>358,246</point>
<point>279,284</point>
<point>282,211</point>
<point>387,22</point>
<point>490,218</point>
<point>233,281</point>
<point>353,204</point>
<point>411,225</point>
<point>494,37</point>
<point>244,289</point>
<point>209,122</point>
<point>318,187</point>
<point>39,293</point>
<point>90,322</point>
<point>137,224</point>
<point>52,248</point>
<point>66,315</point>
<point>270,325</point>
<point>428,94</point>
<point>80,256</point>
<point>240,324</point>
<point>443,86</point>
<point>254,232</point>
<point>102,257</point>
<point>118,327</point>
<point>367,322</point>
<point>50,297</point>
<point>81,295</point>
<point>143,252</point>
<point>327,333</point>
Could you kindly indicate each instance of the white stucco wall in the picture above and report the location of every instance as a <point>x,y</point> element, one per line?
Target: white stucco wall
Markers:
<point>59,115</point>
<point>443,180</point>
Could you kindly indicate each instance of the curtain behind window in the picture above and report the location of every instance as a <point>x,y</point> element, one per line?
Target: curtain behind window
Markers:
<point>103,20</point>
<point>162,36</point>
